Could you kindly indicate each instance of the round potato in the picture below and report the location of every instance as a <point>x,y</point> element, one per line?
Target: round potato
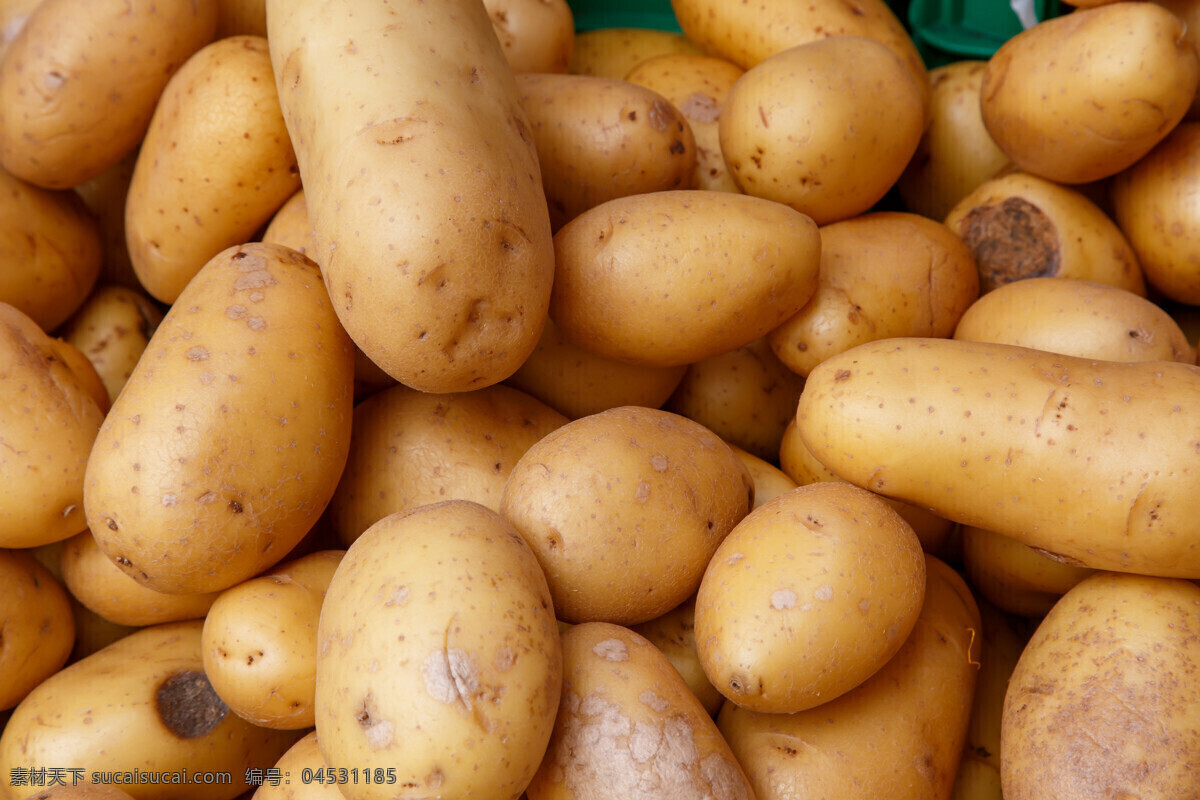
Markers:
<point>236,422</point>
<point>1022,226</point>
<point>36,623</point>
<point>303,755</point>
<point>536,35</point>
<point>438,657</point>
<point>624,509</point>
<point>1083,96</point>
<point>599,139</point>
<point>661,279</point>
<point>614,52</point>
<point>780,635</point>
<point>830,165</point>
<point>674,633</point>
<point>1015,577</point>
<point>112,329</point>
<point>80,82</point>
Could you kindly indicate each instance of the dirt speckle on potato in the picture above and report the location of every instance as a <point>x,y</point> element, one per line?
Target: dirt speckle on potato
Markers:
<point>187,704</point>
<point>197,354</point>
<point>783,599</point>
<point>611,650</point>
<point>1011,241</point>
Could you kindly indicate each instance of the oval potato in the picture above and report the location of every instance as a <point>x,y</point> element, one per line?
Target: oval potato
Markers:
<point>37,625</point>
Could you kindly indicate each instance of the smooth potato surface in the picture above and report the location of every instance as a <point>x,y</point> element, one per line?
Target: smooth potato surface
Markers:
<point>38,627</point>
<point>536,35</point>
<point>112,328</point>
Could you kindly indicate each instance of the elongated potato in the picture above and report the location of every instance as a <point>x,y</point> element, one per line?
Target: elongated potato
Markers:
<point>422,183</point>
<point>1090,460</point>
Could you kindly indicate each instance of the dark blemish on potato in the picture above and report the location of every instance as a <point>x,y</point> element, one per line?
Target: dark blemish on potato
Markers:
<point>786,750</point>
<point>762,114</point>
<point>632,116</point>
<point>187,705</point>
<point>235,506</point>
<point>1011,241</point>
<point>111,523</point>
<point>678,148</point>
<point>841,375</point>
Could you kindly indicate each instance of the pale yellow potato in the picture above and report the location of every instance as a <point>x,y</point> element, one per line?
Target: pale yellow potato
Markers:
<point>49,417</point>
<point>241,18</point>
<point>1083,96</point>
<point>599,139</point>
<point>664,279</point>
<point>746,396</point>
<point>51,249</point>
<point>614,52</point>
<point>628,726</point>
<point>13,14</point>
<point>235,424</point>
<point>80,82</point>
<point>1000,647</point>
<point>899,735</point>
<point>884,274</point>
<point>769,481</point>
<point>105,197</point>
<point>780,633</point>
<point>112,329</point>
<point>97,583</point>
<point>624,509</point>
<point>422,183</point>
<point>438,657</point>
<point>536,35</point>
<point>1103,701</point>
<point>674,633</point>
<point>142,703</point>
<point>259,642</point>
<point>837,163</point>
<point>956,153</point>
<point>976,780</point>
<point>1089,460</point>
<point>698,86</point>
<point>215,165</point>
<point>409,448</point>
<point>37,625</point>
<point>1013,576</point>
<point>577,382</point>
<point>1022,226</point>
<point>303,755</point>
<point>1153,203</point>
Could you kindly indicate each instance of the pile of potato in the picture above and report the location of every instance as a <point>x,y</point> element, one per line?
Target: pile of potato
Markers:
<point>407,399</point>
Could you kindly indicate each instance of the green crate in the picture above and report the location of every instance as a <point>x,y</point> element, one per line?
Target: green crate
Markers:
<point>593,15</point>
<point>958,30</point>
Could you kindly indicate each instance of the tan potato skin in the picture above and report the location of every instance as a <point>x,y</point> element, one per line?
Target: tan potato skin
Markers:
<point>81,80</point>
<point>13,14</point>
<point>51,247</point>
<point>105,197</point>
<point>883,274</point>
<point>81,791</point>
<point>304,754</point>
<point>674,633</point>
<point>661,279</point>
<point>1076,318</point>
<point>39,629</point>
<point>1013,576</point>
<point>629,727</point>
<point>112,329</point>
<point>422,183</point>
<point>536,35</point>
<point>142,703</point>
<point>1083,96</point>
<point>1090,460</point>
<point>599,139</point>
<point>1103,701</point>
<point>614,52</point>
<point>438,657</point>
<point>236,421</point>
<point>769,481</point>
<point>898,735</point>
<point>214,167</point>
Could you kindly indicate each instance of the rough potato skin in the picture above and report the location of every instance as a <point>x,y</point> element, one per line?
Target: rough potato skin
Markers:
<point>422,183</point>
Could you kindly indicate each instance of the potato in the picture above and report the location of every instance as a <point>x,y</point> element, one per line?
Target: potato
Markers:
<point>578,383</point>
<point>1153,205</point>
<point>882,275</point>
<point>1021,226</point>
<point>830,165</point>
<point>438,657</point>
<point>899,735</point>
<point>112,329</point>
<point>536,35</point>
<point>259,642</point>
<point>36,623</point>
<point>661,279</point>
<point>241,18</point>
<point>956,153</point>
<point>83,790</point>
<point>51,249</point>
<point>105,196</point>
<point>140,707</point>
<point>49,417</point>
<point>614,52</point>
<point>629,727</point>
<point>624,509</point>
<point>1104,699</point>
<point>1015,577</point>
<point>1081,97</point>
<point>13,14</point>
<point>93,632</point>
<point>1188,12</point>
<point>80,82</point>
<point>1000,647</point>
<point>698,86</point>
<point>422,183</point>
<point>769,481</point>
<point>409,448</point>
<point>192,194</point>
<point>104,589</point>
<point>780,635</point>
<point>746,396</point>
<point>235,423</point>
<point>1076,318</point>
<point>1020,442</point>
<point>674,633</point>
<point>599,139</point>
<point>303,758</point>
<point>976,780</point>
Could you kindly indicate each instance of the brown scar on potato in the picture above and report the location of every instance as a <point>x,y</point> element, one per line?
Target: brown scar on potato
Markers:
<point>187,704</point>
<point>1011,241</point>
